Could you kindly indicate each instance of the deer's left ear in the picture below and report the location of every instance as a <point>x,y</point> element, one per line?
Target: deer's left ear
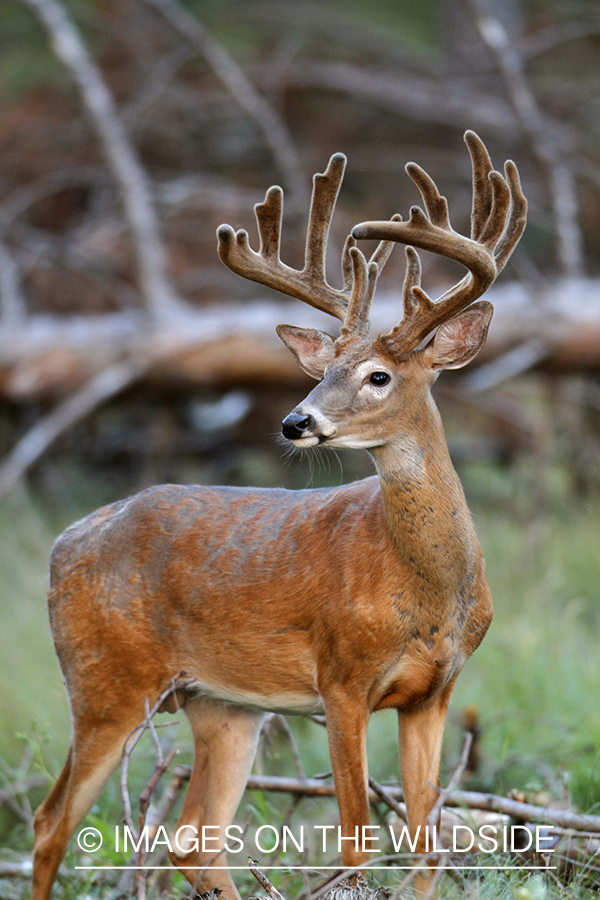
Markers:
<point>460,339</point>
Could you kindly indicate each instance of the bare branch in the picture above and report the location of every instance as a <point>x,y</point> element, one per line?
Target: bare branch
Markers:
<point>161,766</point>
<point>126,167</point>
<point>312,17</point>
<point>13,310</point>
<point>549,37</point>
<point>431,892</point>
<point>528,812</point>
<point>50,427</point>
<point>399,892</point>
<point>25,195</point>
<point>418,98</point>
<point>159,813</point>
<point>161,74</point>
<point>8,800</point>
<point>202,192</point>
<point>515,361</point>
<point>233,77</point>
<point>534,125</point>
<point>284,725</point>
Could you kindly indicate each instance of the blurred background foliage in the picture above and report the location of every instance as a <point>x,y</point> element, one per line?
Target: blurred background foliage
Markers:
<point>384,82</point>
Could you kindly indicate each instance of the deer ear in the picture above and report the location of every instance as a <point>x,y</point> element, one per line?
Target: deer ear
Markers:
<point>314,350</point>
<point>460,339</point>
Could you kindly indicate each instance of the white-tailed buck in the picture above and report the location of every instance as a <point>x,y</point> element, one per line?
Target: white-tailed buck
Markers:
<point>343,600</point>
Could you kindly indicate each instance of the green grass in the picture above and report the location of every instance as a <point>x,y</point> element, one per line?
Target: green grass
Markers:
<point>535,680</point>
<point>31,690</point>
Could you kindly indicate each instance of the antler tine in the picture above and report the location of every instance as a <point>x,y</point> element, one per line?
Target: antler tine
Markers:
<point>516,219</point>
<point>363,289</point>
<point>326,188</point>
<point>435,204</point>
<point>415,302</point>
<point>482,188</point>
<point>347,264</point>
<point>310,283</point>
<point>357,317</point>
<point>497,218</point>
<point>380,255</point>
<point>269,214</point>
<point>382,252</point>
<point>353,267</point>
<point>412,279</point>
<point>497,222</point>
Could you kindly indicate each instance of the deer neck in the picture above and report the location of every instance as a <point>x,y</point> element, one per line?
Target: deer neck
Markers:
<point>425,507</point>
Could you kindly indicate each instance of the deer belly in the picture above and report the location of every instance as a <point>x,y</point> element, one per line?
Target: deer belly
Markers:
<point>284,702</point>
<point>254,668</point>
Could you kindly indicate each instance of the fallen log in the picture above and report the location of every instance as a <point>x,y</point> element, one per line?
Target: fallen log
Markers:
<point>46,357</point>
<point>68,360</point>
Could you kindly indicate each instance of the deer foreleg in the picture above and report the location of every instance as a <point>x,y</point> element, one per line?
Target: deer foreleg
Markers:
<point>347,721</point>
<point>421,734</point>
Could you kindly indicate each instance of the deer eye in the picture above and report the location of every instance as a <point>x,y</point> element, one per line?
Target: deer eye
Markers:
<point>379,378</point>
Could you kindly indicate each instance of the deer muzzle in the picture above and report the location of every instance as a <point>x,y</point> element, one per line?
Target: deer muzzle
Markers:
<point>297,426</point>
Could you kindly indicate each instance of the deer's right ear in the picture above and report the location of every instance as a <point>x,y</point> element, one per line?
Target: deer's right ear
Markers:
<point>313,349</point>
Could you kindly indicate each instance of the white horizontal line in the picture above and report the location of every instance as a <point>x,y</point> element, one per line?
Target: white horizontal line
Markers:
<point>327,868</point>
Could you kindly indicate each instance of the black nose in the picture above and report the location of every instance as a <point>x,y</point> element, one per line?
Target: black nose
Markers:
<point>296,425</point>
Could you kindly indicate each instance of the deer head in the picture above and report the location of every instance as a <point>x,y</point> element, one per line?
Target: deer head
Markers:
<point>369,389</point>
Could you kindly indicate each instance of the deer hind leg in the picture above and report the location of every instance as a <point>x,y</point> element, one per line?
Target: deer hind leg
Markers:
<point>421,734</point>
<point>94,755</point>
<point>225,741</point>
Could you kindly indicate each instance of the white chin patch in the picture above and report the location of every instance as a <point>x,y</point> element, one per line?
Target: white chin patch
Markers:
<point>351,443</point>
<point>310,441</point>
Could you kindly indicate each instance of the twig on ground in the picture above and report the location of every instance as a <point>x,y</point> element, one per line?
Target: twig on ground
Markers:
<point>385,796</point>
<point>527,812</point>
<point>431,890</point>
<point>21,869</point>
<point>436,810</point>
<point>403,884</point>
<point>161,766</point>
<point>192,893</point>
<point>263,880</point>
